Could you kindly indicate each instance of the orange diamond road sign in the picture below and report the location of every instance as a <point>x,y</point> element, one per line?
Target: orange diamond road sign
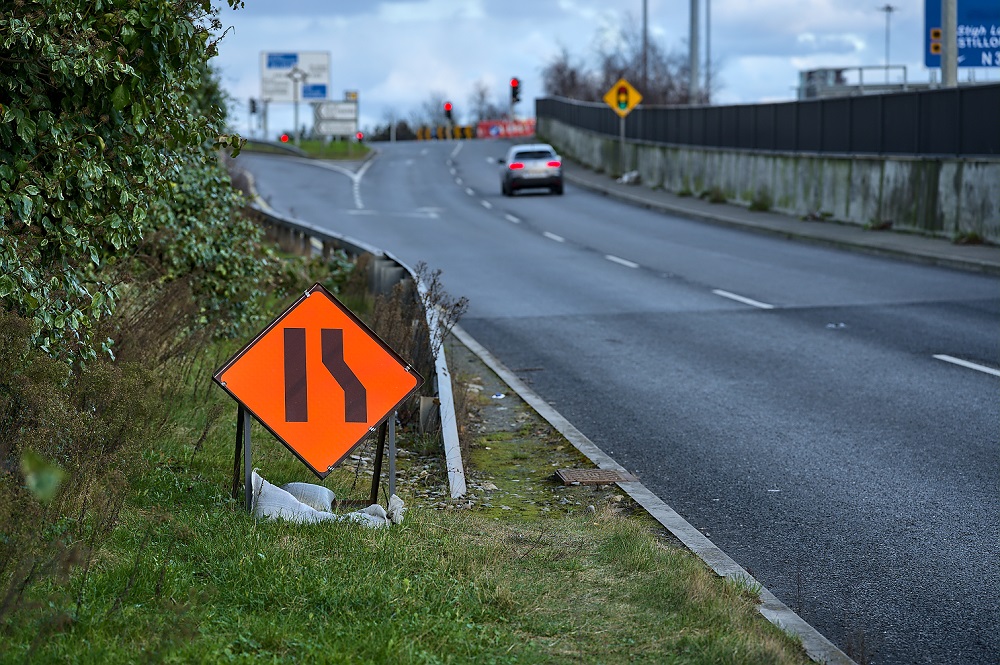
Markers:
<point>318,379</point>
<point>622,98</point>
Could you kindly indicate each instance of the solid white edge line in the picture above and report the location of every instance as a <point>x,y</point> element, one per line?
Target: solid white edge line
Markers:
<point>620,261</point>
<point>512,219</point>
<point>745,301</point>
<point>818,647</point>
<point>965,363</point>
<point>553,236</point>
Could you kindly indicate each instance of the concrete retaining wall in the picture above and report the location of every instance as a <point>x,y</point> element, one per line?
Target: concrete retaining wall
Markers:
<point>950,197</point>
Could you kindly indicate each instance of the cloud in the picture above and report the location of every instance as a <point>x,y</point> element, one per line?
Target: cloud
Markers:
<point>395,53</point>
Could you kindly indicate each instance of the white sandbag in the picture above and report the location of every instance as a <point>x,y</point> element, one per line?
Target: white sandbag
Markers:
<point>276,503</point>
<point>396,510</point>
<point>314,496</point>
<point>364,519</point>
<point>376,511</point>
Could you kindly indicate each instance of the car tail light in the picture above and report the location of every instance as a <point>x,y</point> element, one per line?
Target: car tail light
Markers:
<point>555,162</point>
<point>517,165</point>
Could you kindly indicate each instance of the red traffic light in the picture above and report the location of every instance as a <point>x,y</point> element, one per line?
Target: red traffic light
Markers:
<point>284,138</point>
<point>360,136</point>
<point>447,106</point>
<point>514,83</point>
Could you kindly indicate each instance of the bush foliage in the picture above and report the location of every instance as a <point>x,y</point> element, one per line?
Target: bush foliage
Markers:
<point>108,117</point>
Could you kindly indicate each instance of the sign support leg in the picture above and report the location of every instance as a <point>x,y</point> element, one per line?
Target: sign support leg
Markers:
<point>379,452</point>
<point>238,453</point>
<point>392,454</point>
<point>247,464</point>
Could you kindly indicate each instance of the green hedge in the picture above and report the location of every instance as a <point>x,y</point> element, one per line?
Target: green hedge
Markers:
<point>109,118</point>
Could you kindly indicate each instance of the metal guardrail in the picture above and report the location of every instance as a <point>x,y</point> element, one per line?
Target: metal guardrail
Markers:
<point>386,272</point>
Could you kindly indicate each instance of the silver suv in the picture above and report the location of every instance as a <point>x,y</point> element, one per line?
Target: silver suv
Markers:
<point>531,166</point>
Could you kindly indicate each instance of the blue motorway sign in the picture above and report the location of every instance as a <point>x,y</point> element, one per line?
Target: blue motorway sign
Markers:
<point>314,91</point>
<point>282,60</point>
<point>978,33</point>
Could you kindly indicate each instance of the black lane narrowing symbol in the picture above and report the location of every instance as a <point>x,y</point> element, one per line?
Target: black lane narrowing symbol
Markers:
<point>296,384</point>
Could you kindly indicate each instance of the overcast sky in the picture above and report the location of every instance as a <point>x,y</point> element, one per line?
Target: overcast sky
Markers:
<point>397,53</point>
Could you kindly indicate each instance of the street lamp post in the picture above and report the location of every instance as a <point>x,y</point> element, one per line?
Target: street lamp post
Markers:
<point>888,9</point>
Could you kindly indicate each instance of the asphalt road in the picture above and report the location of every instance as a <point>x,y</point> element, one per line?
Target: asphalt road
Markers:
<point>784,398</point>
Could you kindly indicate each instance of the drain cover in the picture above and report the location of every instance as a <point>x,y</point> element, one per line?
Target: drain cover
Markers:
<point>594,476</point>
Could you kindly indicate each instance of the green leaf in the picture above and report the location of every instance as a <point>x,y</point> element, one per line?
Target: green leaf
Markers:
<point>42,477</point>
<point>120,98</point>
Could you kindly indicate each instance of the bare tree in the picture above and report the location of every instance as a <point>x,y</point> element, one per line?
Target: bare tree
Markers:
<point>482,107</point>
<point>563,77</point>
<point>621,57</point>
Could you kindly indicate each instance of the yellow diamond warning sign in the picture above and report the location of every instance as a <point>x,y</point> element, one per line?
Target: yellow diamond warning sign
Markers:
<point>622,98</point>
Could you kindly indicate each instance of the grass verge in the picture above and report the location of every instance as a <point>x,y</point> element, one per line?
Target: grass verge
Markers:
<point>522,570</point>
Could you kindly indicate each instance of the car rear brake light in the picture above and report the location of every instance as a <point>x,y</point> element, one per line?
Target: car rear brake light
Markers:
<point>517,165</point>
<point>555,162</point>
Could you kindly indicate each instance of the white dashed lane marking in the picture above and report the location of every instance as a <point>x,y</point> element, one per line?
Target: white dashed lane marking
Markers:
<point>742,299</point>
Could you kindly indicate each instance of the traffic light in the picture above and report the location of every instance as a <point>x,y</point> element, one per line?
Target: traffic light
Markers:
<point>447,110</point>
<point>623,98</point>
<point>360,136</point>
<point>515,90</point>
<point>284,138</point>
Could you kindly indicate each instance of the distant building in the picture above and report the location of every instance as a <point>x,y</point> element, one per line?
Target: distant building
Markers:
<point>848,81</point>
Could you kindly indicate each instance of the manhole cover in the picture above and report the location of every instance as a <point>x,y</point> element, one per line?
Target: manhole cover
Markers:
<point>594,476</point>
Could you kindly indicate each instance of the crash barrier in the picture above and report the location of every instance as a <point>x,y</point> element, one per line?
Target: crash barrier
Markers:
<point>946,121</point>
<point>385,272</point>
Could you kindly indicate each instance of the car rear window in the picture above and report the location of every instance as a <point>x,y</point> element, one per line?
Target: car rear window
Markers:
<point>534,154</point>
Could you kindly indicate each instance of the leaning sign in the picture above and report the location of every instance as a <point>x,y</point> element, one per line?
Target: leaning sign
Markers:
<point>318,379</point>
<point>977,33</point>
<point>290,76</point>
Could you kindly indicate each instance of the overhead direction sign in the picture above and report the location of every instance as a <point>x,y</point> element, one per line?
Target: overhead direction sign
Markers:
<point>977,33</point>
<point>622,98</point>
<point>318,379</point>
<point>287,76</point>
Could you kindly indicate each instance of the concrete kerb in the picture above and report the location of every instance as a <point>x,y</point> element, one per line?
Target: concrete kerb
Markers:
<point>818,647</point>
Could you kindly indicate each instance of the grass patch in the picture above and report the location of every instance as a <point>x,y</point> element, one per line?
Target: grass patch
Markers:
<point>317,148</point>
<point>714,195</point>
<point>968,238</point>
<point>761,201</point>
